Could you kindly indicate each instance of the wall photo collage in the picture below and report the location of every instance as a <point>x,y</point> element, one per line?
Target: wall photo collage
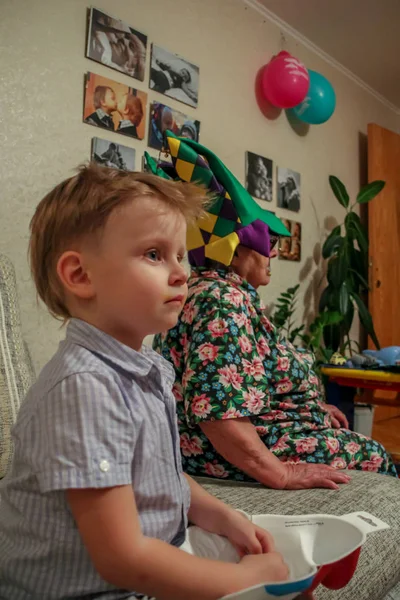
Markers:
<point>121,108</point>
<point>259,183</point>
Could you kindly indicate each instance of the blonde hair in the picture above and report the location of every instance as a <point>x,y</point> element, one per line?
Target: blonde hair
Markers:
<point>81,205</point>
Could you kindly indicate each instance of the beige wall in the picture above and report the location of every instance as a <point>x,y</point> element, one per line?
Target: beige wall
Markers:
<point>43,138</point>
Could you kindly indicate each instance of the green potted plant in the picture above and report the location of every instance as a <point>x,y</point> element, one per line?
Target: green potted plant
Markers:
<point>346,250</point>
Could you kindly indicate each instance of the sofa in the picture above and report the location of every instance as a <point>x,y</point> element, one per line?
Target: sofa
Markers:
<point>378,573</point>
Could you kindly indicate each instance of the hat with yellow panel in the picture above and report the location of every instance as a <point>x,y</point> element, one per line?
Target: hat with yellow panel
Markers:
<point>232,219</point>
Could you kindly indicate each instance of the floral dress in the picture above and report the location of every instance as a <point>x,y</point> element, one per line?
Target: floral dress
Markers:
<point>230,363</point>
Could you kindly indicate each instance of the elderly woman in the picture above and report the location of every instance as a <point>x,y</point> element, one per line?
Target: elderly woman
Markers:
<point>250,406</point>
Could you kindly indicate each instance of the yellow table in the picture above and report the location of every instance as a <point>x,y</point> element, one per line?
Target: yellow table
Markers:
<point>367,379</point>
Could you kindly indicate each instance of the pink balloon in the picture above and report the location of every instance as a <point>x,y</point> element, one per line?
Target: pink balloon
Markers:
<point>285,81</point>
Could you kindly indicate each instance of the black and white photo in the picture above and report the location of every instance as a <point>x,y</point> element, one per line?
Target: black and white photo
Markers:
<point>288,189</point>
<point>114,43</point>
<point>113,155</point>
<point>259,176</point>
<point>174,76</point>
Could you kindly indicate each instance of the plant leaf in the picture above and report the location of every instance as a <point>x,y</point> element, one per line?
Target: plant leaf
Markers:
<point>330,318</point>
<point>366,319</point>
<point>325,299</point>
<point>332,242</point>
<point>339,190</point>
<point>344,298</point>
<point>356,230</point>
<point>369,191</point>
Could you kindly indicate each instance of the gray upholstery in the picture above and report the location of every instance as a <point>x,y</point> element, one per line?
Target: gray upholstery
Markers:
<point>378,571</point>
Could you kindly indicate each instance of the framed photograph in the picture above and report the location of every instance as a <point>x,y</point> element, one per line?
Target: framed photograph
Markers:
<point>163,117</point>
<point>290,247</point>
<point>174,76</point>
<point>259,176</point>
<point>114,106</point>
<point>288,189</point>
<point>115,156</point>
<point>116,44</point>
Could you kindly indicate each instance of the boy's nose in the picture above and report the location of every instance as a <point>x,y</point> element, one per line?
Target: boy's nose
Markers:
<point>178,275</point>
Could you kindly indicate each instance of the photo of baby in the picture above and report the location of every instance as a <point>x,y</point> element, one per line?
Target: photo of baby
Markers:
<point>259,176</point>
<point>115,44</point>
<point>174,76</point>
<point>163,118</point>
<point>114,106</point>
<point>290,247</point>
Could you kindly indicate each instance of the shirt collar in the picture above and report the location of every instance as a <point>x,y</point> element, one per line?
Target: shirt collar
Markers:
<point>102,115</point>
<point>135,363</point>
<point>125,123</point>
<point>204,273</point>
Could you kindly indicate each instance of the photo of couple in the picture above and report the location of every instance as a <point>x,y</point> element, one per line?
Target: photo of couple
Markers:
<point>174,76</point>
<point>114,106</point>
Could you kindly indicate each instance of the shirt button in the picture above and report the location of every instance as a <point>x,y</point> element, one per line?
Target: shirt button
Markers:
<point>104,466</point>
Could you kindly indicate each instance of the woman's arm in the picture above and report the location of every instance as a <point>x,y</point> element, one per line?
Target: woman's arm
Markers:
<point>238,442</point>
<point>109,525</point>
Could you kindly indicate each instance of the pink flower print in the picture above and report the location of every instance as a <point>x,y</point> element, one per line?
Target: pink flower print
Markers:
<point>284,385</point>
<point>177,391</point>
<point>283,363</point>
<point>189,313</point>
<point>332,444</point>
<point>262,348</point>
<point>282,349</point>
<point>254,368</point>
<point>245,344</point>
<point>254,400</point>
<point>306,445</point>
<point>187,376</point>
<point>229,376</point>
<point>216,293</point>
<point>281,444</point>
<point>239,319</point>
<point>234,297</point>
<point>207,352</point>
<point>338,463</point>
<point>201,406</point>
<point>303,386</point>
<point>261,430</point>
<point>352,447</point>
<point>215,470</point>
<point>369,465</point>
<point>231,413</point>
<point>267,324</point>
<point>218,328</point>
<point>176,357</point>
<point>313,380</point>
<point>376,459</point>
<point>191,446</point>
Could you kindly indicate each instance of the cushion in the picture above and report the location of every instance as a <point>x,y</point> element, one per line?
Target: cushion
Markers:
<point>378,569</point>
<point>16,372</point>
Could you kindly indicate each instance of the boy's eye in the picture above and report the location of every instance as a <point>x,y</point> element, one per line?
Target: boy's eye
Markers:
<point>180,257</point>
<point>153,255</point>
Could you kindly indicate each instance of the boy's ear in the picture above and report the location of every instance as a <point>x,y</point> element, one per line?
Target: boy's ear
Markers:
<point>74,276</point>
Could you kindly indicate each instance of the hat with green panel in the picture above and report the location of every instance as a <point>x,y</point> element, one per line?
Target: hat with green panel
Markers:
<point>234,218</point>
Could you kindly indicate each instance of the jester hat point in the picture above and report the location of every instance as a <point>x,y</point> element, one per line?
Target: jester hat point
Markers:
<point>233,217</point>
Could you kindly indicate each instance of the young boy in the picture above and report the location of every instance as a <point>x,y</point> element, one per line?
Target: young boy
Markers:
<point>95,504</point>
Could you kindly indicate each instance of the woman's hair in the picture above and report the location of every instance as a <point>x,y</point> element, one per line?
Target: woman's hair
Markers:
<point>80,206</point>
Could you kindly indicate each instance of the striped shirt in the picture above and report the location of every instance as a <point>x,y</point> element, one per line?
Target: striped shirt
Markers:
<point>100,415</point>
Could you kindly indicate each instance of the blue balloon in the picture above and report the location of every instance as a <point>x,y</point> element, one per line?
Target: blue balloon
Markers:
<point>319,104</point>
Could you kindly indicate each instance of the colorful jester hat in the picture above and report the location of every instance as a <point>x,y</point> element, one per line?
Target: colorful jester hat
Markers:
<point>233,218</point>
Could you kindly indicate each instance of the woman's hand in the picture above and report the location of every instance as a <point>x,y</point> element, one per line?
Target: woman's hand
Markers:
<point>338,418</point>
<point>303,476</point>
<point>244,535</point>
